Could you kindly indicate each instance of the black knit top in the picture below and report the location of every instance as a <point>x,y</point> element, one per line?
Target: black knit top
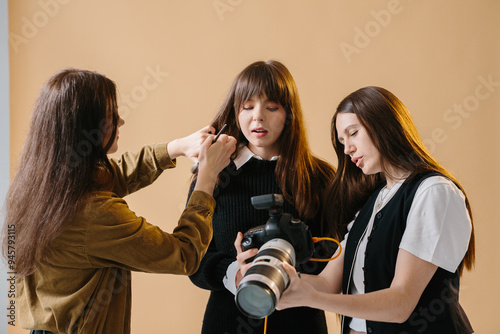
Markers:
<point>234,213</point>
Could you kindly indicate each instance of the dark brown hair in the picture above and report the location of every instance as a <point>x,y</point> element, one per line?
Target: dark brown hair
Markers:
<point>61,156</point>
<point>393,133</point>
<point>302,177</point>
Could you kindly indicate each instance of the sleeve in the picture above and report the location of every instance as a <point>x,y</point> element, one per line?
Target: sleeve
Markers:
<point>213,266</point>
<point>136,170</point>
<point>438,226</point>
<point>212,270</point>
<point>119,238</point>
<point>229,279</point>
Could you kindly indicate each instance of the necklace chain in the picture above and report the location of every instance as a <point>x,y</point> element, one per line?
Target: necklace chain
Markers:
<point>381,197</point>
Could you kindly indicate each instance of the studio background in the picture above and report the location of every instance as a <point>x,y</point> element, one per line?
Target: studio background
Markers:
<point>173,63</point>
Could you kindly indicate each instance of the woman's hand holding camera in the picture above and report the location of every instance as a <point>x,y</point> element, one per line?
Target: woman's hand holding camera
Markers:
<point>242,257</point>
<point>298,291</point>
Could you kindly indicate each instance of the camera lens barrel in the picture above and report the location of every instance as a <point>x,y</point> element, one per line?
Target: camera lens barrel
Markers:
<point>260,289</point>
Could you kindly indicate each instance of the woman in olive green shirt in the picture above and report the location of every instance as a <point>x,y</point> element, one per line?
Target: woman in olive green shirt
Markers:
<point>76,240</point>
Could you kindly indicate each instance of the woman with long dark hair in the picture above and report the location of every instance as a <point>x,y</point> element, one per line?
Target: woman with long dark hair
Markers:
<point>262,111</point>
<point>408,223</point>
<point>70,237</point>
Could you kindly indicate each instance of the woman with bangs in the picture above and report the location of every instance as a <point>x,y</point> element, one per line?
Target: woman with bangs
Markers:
<point>262,111</point>
<point>406,223</point>
<point>70,236</point>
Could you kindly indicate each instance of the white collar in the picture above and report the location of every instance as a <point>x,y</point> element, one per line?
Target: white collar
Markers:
<point>244,155</point>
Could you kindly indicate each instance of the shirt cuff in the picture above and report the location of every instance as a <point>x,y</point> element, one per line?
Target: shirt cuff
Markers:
<point>201,198</point>
<point>230,279</point>
<point>161,155</point>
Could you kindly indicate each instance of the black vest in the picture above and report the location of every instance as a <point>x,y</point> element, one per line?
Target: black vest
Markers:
<point>438,310</point>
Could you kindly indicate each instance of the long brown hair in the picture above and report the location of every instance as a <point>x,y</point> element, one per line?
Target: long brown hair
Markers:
<point>392,131</point>
<point>61,156</point>
<point>301,176</point>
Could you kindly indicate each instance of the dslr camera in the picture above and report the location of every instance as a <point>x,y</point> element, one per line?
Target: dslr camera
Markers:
<point>282,239</point>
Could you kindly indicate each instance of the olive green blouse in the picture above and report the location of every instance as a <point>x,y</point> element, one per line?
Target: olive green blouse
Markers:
<point>84,282</point>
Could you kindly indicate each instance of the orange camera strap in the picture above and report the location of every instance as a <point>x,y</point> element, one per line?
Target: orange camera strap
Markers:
<point>315,240</point>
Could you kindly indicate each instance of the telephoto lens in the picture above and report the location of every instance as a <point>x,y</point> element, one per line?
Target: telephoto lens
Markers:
<point>264,282</point>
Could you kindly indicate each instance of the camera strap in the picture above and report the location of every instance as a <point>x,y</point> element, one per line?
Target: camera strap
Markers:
<point>337,253</point>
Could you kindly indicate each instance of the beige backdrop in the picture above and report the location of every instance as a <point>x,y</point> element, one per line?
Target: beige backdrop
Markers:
<point>173,62</point>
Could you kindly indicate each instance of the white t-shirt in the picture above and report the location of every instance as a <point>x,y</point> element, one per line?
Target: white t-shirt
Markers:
<point>438,230</point>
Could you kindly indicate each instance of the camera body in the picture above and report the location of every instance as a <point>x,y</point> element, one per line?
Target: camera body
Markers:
<point>281,239</point>
<point>279,226</point>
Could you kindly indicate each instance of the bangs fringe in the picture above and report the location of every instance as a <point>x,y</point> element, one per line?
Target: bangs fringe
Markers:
<point>260,81</point>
